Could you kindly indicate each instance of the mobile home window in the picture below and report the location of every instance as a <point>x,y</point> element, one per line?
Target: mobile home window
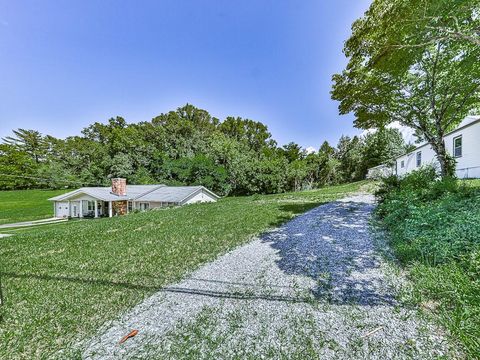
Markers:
<point>457,146</point>
<point>402,164</point>
<point>419,159</point>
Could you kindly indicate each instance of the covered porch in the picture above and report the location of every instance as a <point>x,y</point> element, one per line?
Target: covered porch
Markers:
<point>99,208</point>
<point>89,207</point>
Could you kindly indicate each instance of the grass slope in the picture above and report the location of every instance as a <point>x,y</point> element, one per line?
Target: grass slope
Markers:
<point>434,230</point>
<point>61,283</point>
<point>25,205</point>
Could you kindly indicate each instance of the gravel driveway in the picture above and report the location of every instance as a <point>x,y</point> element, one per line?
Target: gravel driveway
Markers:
<point>313,288</point>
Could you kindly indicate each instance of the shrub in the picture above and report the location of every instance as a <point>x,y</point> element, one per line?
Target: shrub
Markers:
<point>433,227</point>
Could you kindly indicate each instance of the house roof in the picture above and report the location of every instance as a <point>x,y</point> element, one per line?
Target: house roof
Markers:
<point>174,194</point>
<point>105,193</point>
<point>469,120</point>
<point>161,193</point>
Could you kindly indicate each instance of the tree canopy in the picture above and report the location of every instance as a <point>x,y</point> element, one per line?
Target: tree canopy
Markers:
<point>415,62</point>
<point>187,146</point>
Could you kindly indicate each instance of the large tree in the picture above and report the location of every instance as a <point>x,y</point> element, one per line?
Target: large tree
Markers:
<point>29,141</point>
<point>415,62</point>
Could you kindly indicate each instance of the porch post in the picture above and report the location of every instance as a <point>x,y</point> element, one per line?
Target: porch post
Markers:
<point>110,210</point>
<point>69,209</point>
<point>96,208</point>
<point>127,206</point>
<point>81,209</point>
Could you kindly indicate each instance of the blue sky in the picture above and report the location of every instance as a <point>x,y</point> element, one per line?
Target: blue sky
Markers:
<point>65,64</point>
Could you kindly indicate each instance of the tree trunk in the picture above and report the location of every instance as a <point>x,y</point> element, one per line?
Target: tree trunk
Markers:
<point>446,168</point>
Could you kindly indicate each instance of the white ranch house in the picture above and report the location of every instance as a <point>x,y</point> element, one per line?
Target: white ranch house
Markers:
<point>463,144</point>
<point>121,199</point>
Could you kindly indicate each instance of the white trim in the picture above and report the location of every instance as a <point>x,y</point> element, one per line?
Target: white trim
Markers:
<point>201,189</point>
<point>417,158</point>
<point>454,147</point>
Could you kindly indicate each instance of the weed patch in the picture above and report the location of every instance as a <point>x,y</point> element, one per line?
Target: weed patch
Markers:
<point>433,227</point>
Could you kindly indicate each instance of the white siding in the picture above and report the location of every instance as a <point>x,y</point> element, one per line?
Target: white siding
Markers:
<point>468,165</point>
<point>159,204</point>
<point>202,196</point>
<point>410,160</point>
<point>83,197</point>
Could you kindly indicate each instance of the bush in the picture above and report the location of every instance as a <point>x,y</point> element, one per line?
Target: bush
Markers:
<point>434,226</point>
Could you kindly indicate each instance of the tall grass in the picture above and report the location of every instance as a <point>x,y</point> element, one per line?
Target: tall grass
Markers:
<point>434,228</point>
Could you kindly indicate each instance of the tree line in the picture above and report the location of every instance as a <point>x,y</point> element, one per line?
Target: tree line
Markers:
<point>188,146</point>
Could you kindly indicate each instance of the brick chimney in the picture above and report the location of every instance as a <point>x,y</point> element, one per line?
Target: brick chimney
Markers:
<point>119,186</point>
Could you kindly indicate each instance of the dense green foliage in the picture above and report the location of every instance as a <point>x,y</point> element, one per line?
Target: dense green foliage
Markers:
<point>188,146</point>
<point>414,62</point>
<point>434,228</point>
<point>62,282</point>
<point>25,205</point>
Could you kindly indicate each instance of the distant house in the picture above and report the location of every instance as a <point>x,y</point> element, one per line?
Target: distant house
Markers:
<point>463,144</point>
<point>380,171</point>
<point>121,199</point>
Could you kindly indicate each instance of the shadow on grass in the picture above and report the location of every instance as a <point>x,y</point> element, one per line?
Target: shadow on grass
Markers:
<point>294,209</point>
<point>167,289</point>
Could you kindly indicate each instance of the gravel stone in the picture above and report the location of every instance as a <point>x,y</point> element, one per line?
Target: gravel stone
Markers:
<point>316,287</point>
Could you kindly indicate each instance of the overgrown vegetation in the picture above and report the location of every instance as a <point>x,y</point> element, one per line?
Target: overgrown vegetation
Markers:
<point>25,205</point>
<point>61,283</point>
<point>434,228</point>
<point>188,146</point>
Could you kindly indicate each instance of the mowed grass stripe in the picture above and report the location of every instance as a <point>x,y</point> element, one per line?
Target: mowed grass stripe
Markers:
<point>26,205</point>
<point>62,283</point>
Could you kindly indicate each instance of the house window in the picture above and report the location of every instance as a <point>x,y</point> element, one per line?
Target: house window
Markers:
<point>402,164</point>
<point>130,206</point>
<point>91,205</point>
<point>88,205</point>
<point>144,206</point>
<point>457,146</point>
<point>419,159</point>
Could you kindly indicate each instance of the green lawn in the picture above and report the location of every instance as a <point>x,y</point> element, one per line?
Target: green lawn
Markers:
<point>24,205</point>
<point>61,283</point>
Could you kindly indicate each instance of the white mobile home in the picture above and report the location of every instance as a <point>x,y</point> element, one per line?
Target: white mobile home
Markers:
<point>121,199</point>
<point>463,144</point>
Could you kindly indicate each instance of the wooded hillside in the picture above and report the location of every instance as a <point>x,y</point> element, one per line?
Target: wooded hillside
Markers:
<point>188,146</point>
